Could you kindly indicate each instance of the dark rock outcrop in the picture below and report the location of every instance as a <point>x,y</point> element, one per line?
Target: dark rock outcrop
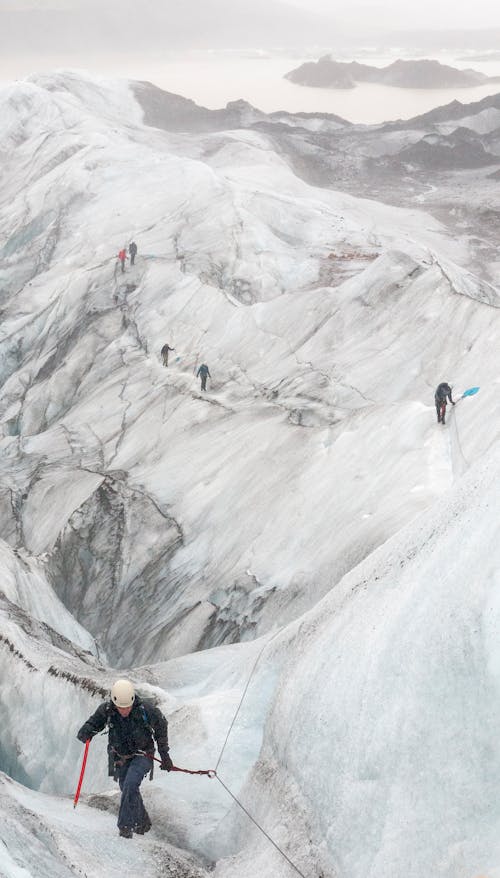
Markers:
<point>461,149</point>
<point>171,112</point>
<point>327,73</point>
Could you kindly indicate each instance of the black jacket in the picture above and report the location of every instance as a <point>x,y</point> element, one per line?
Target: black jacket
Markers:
<point>128,734</point>
<point>443,391</point>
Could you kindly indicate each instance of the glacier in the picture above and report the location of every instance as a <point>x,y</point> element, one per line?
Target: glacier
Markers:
<point>300,550</point>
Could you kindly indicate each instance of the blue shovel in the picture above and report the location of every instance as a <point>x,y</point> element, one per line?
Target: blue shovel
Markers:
<point>470,392</point>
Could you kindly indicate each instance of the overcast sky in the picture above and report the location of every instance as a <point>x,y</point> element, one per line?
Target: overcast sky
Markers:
<point>419,14</point>
<point>46,27</point>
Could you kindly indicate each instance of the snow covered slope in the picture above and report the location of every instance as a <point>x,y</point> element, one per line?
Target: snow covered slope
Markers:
<point>57,842</point>
<point>382,738</point>
<point>241,265</point>
<point>305,512</point>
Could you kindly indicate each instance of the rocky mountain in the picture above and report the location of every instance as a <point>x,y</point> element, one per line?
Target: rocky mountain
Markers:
<point>461,149</point>
<point>480,116</point>
<point>442,158</point>
<point>175,113</point>
<point>327,73</point>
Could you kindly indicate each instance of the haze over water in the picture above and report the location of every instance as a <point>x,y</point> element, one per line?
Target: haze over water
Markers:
<point>214,78</point>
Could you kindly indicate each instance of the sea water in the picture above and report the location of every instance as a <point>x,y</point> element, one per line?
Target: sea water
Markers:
<point>212,78</point>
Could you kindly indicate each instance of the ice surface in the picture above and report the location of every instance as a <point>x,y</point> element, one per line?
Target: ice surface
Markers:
<point>303,527</point>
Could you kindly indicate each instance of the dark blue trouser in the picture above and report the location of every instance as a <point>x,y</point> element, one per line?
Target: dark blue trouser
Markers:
<point>132,812</point>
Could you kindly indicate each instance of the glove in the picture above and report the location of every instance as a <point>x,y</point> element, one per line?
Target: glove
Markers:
<point>83,735</point>
<point>166,763</point>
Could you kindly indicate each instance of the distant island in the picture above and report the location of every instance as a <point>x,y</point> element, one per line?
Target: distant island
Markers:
<point>327,73</point>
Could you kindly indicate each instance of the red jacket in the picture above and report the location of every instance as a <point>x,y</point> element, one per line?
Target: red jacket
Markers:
<point>122,255</point>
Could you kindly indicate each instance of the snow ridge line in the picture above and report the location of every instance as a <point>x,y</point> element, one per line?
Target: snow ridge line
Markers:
<point>487,293</point>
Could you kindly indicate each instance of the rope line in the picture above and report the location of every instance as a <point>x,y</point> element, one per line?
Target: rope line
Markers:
<point>214,773</point>
<point>245,690</point>
<point>457,436</point>
<point>286,857</point>
<point>211,773</point>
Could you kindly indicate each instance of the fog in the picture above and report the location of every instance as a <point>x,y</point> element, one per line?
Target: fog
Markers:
<point>155,25</point>
<point>424,15</point>
<point>214,51</point>
<point>118,26</point>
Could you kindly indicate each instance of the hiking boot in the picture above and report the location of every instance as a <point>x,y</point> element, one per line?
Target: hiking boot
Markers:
<point>143,827</point>
<point>125,832</point>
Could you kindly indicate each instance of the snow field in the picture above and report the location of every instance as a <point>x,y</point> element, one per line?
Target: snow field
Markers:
<point>308,495</point>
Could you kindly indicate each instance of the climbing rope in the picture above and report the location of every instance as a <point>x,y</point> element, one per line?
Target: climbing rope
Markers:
<point>214,774</point>
<point>211,773</point>
<point>245,690</point>
<point>282,852</point>
<point>454,423</point>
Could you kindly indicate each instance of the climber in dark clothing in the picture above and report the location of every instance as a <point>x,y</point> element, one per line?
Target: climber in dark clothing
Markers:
<point>441,396</point>
<point>132,249</point>
<point>164,353</point>
<point>203,372</point>
<point>131,726</point>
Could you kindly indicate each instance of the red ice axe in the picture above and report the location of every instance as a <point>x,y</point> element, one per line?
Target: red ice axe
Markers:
<point>84,762</point>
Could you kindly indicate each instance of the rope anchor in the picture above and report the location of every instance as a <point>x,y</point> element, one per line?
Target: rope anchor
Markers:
<point>210,772</point>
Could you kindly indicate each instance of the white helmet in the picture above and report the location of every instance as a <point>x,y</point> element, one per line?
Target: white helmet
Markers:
<point>122,693</point>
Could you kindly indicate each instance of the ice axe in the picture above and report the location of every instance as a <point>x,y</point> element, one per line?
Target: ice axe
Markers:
<point>82,772</point>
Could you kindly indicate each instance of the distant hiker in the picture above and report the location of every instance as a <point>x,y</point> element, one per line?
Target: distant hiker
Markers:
<point>132,249</point>
<point>203,372</point>
<point>131,725</point>
<point>441,396</point>
<point>164,353</point>
<point>122,255</point>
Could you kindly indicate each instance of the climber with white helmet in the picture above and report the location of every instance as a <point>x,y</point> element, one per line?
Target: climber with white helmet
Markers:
<point>132,725</point>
